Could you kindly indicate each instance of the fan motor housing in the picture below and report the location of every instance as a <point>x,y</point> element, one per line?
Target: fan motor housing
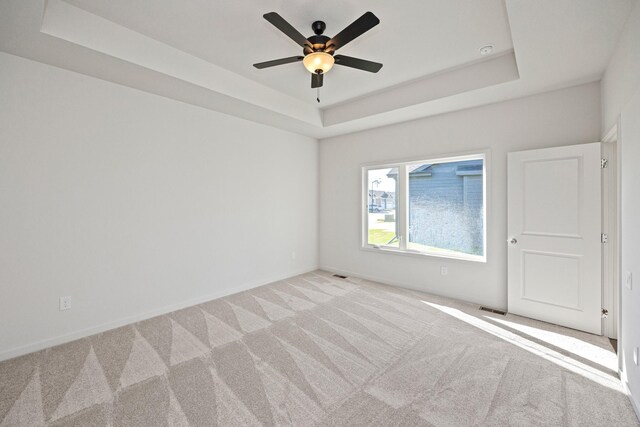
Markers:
<point>318,42</point>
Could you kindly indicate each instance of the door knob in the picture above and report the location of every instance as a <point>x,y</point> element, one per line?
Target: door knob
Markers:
<point>513,241</point>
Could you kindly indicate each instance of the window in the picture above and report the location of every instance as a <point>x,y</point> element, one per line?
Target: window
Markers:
<point>381,207</point>
<point>430,207</point>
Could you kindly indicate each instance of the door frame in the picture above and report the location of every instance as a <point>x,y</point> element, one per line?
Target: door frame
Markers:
<point>610,250</point>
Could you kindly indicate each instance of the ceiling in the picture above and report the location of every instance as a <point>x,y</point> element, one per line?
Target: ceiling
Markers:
<point>202,51</point>
<point>233,35</point>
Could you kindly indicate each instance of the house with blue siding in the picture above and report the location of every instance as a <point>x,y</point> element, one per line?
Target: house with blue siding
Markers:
<point>446,206</point>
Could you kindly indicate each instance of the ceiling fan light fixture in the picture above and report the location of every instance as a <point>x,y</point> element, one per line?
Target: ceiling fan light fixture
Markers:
<point>318,49</point>
<point>318,61</point>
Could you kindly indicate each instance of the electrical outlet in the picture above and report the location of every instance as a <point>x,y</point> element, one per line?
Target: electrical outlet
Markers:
<point>629,280</point>
<point>635,356</point>
<point>444,270</point>
<point>65,303</point>
<point>293,255</point>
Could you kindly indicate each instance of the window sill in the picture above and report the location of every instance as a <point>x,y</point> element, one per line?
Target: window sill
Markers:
<point>412,253</point>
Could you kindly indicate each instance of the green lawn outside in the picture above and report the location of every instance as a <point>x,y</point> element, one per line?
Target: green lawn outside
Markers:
<point>380,237</point>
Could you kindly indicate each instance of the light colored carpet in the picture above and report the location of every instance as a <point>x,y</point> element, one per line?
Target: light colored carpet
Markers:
<point>318,350</point>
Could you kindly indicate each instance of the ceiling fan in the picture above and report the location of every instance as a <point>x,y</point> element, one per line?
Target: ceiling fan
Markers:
<point>318,50</point>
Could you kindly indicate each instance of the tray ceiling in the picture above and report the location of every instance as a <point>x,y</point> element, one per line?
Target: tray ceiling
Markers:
<point>202,51</point>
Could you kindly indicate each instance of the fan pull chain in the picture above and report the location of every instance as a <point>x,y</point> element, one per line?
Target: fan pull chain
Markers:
<point>318,96</point>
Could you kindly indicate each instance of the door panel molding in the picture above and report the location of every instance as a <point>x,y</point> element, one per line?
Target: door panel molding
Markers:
<point>578,306</point>
<point>529,205</point>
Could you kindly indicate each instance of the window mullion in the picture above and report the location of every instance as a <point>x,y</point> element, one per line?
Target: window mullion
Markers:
<point>403,217</point>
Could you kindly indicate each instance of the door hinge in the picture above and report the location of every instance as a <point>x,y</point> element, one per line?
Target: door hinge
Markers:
<point>605,313</point>
<point>604,163</point>
<point>604,238</point>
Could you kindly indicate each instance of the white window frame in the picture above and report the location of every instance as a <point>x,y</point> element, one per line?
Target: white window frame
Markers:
<point>402,204</point>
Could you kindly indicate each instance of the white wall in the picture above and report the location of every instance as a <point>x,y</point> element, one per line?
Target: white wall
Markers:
<point>622,76</point>
<point>134,204</point>
<point>563,117</point>
<point>621,99</point>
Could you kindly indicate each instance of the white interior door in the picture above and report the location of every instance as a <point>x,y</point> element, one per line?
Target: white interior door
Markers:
<point>555,211</point>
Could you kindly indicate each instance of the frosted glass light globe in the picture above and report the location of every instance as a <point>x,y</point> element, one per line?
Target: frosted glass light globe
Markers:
<point>318,61</point>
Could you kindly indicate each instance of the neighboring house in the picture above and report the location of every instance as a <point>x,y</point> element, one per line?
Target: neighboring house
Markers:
<point>384,200</point>
<point>446,206</point>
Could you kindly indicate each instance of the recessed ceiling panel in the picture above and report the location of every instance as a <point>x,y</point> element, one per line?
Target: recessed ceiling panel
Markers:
<point>412,40</point>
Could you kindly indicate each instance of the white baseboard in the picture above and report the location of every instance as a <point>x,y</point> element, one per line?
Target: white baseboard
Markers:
<point>72,336</point>
<point>371,278</point>
<point>396,284</point>
<point>635,404</point>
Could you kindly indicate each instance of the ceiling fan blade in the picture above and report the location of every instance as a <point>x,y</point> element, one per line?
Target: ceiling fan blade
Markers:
<point>316,80</point>
<point>355,29</point>
<point>280,23</point>
<point>360,64</point>
<point>280,61</point>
